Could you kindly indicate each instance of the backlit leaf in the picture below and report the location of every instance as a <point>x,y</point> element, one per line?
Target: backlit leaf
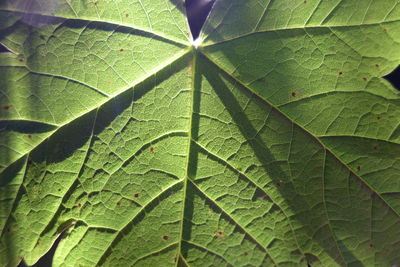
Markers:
<point>276,142</point>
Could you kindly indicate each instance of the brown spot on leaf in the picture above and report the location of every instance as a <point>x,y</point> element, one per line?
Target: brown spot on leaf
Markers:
<point>377,65</point>
<point>174,259</point>
<point>294,94</point>
<point>29,136</point>
<point>21,60</point>
<point>136,195</point>
<point>365,79</point>
<point>165,237</point>
<point>126,15</point>
<point>371,246</point>
<point>246,253</point>
<point>151,149</point>
<point>219,234</point>
<point>6,107</point>
<point>118,203</point>
<point>378,117</point>
<point>79,205</point>
<point>121,50</point>
<point>376,148</point>
<point>341,73</point>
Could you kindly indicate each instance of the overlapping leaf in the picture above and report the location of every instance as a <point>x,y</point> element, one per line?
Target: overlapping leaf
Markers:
<point>276,143</point>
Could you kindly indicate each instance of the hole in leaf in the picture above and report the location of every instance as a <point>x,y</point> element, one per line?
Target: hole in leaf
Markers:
<point>394,78</point>
<point>197,12</point>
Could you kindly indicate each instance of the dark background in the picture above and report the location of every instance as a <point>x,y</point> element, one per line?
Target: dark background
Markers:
<point>394,78</point>
<point>197,12</point>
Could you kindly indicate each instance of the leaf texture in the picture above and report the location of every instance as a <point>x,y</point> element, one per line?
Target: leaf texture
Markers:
<point>275,143</point>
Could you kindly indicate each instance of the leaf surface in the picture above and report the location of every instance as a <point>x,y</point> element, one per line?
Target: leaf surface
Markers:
<point>276,142</point>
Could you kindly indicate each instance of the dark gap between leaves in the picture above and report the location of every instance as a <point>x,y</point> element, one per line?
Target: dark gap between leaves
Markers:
<point>47,259</point>
<point>3,49</point>
<point>394,78</point>
<point>197,12</point>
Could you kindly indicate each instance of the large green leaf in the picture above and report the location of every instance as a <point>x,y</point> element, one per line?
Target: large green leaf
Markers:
<point>276,142</point>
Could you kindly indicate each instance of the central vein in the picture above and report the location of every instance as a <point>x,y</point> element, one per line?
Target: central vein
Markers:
<point>190,170</point>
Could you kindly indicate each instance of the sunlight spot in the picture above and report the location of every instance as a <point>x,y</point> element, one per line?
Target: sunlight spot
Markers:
<point>197,42</point>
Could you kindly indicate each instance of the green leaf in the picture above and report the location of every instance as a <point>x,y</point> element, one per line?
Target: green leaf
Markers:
<point>276,142</point>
